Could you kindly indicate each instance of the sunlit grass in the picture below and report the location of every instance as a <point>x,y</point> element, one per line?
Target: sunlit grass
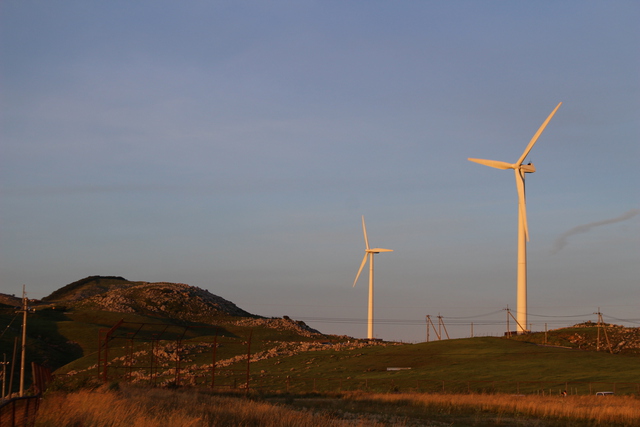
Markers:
<point>161,407</point>
<point>594,410</point>
<point>147,407</point>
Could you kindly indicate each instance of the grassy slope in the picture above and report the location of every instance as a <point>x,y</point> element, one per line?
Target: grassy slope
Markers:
<point>473,359</point>
<point>488,358</point>
<point>58,338</point>
<point>82,327</point>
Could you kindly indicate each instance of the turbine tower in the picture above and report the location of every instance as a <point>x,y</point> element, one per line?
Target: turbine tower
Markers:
<point>523,228</point>
<point>368,253</point>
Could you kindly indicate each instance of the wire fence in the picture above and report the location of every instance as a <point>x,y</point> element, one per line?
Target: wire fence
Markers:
<point>19,412</point>
<point>387,385</point>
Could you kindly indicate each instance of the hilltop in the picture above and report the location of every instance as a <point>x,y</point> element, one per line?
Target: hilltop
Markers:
<point>112,293</point>
<point>170,300</point>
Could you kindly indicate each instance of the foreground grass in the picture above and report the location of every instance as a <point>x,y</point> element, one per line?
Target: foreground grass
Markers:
<point>160,407</point>
<point>499,409</point>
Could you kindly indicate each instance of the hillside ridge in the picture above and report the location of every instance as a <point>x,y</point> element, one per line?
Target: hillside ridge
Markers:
<point>177,301</point>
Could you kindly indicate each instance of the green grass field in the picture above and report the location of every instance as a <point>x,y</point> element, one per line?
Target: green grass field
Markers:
<point>472,364</point>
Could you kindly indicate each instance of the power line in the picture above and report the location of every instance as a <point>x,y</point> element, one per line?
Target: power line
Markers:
<point>9,325</point>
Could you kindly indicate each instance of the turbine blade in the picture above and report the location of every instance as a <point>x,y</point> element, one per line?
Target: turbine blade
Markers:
<point>364,261</point>
<point>364,230</point>
<point>536,136</point>
<point>493,163</point>
<point>522,202</point>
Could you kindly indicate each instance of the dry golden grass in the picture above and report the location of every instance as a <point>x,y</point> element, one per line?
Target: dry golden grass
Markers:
<point>159,408</point>
<point>597,410</point>
<point>140,407</point>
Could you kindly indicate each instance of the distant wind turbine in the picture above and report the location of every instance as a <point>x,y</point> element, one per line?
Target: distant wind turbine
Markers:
<point>369,253</point>
<point>523,228</point>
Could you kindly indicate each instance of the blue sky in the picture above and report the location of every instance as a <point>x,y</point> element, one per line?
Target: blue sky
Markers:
<point>235,145</point>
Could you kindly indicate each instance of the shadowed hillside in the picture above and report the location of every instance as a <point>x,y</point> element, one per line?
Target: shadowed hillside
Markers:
<point>64,326</point>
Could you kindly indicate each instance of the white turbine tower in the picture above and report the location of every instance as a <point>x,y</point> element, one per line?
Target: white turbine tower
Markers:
<point>523,228</point>
<point>368,253</point>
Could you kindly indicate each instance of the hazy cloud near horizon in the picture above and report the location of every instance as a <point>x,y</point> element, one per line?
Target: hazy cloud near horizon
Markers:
<point>563,240</point>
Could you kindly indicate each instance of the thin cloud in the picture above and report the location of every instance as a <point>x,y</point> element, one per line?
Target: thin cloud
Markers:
<point>562,241</point>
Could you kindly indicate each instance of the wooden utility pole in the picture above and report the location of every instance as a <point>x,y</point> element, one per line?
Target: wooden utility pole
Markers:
<point>545,333</point>
<point>12,365</point>
<point>441,322</point>
<point>604,328</point>
<point>429,322</point>
<point>427,319</point>
<point>24,339</point>
<point>517,323</point>
<point>4,376</point>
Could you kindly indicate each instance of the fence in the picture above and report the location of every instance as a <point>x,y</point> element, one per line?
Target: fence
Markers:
<point>19,412</point>
<point>216,357</point>
<point>386,385</point>
<point>173,355</point>
<point>22,411</point>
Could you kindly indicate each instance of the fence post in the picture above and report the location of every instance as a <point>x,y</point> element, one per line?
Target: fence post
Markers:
<point>213,362</point>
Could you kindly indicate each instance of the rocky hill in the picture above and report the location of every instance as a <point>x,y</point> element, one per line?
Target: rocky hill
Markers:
<point>613,338</point>
<point>88,287</point>
<point>169,300</point>
<point>174,301</point>
<point>590,336</point>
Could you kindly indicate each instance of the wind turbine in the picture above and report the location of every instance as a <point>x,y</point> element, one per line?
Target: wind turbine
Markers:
<point>368,253</point>
<point>523,228</point>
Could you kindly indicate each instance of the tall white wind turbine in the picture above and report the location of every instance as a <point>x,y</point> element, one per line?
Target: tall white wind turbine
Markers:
<point>368,253</point>
<point>523,228</point>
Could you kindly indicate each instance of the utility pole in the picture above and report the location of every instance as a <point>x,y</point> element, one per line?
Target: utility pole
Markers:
<point>441,322</point>
<point>545,333</point>
<point>508,328</point>
<point>4,375</point>
<point>604,328</point>
<point>521,327</point>
<point>428,320</point>
<point>24,339</point>
<point>13,364</point>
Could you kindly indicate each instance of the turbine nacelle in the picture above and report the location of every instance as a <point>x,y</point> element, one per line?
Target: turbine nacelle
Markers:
<point>528,168</point>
